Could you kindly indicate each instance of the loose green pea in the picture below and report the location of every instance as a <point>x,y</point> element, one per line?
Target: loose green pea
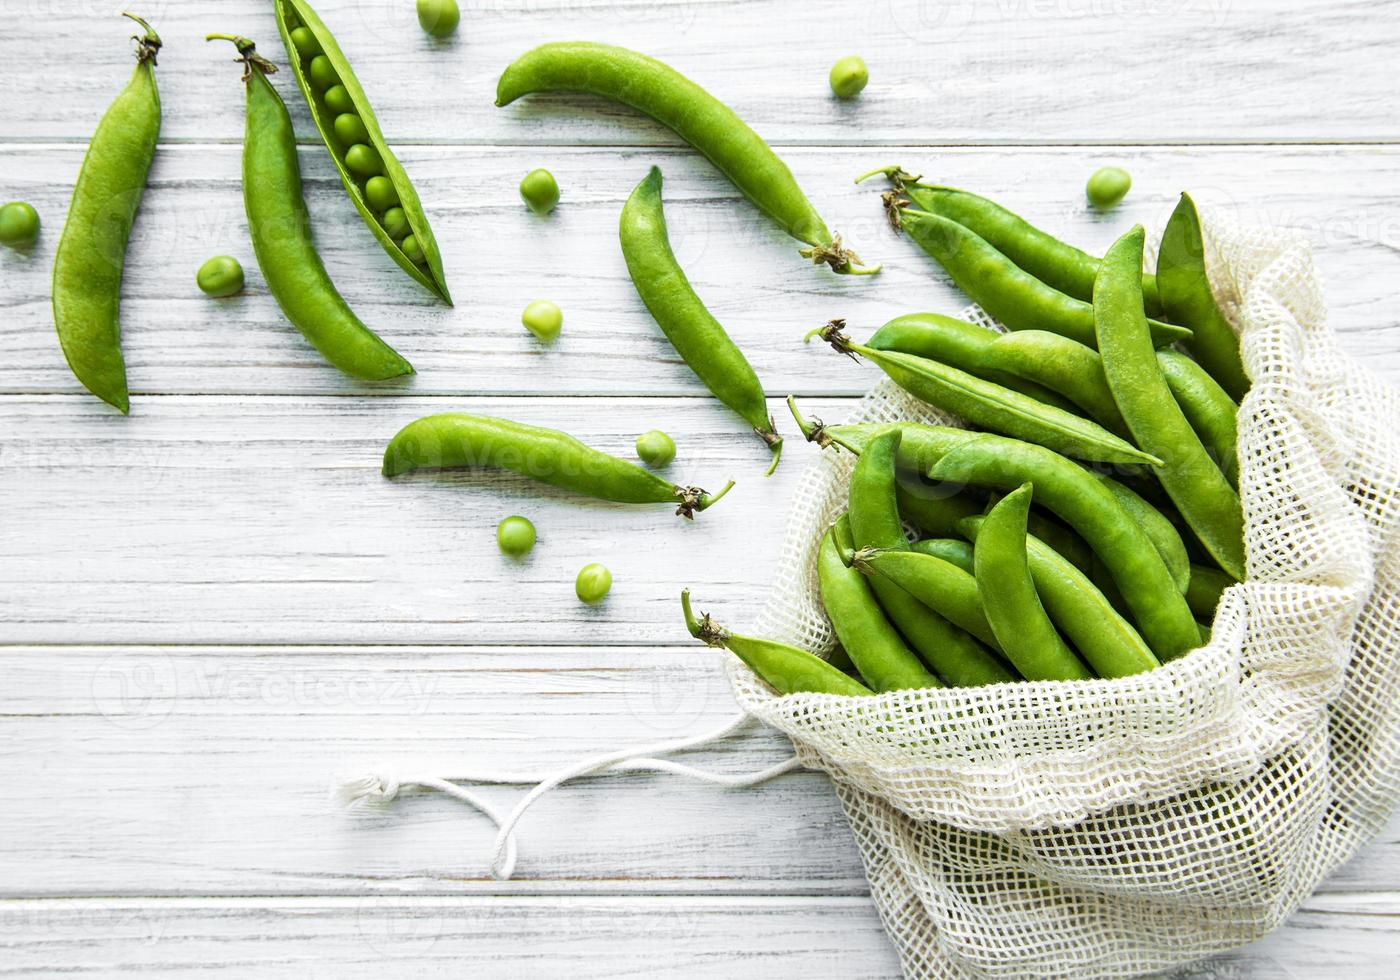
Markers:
<point>656,448</point>
<point>364,160</point>
<point>1108,186</point>
<point>593,583</point>
<point>19,224</point>
<point>540,191</point>
<point>438,17</point>
<point>381,193</point>
<point>322,73</point>
<point>412,249</point>
<point>849,76</point>
<point>338,99</point>
<point>306,44</point>
<point>543,319</point>
<point>395,222</point>
<point>350,129</point>
<point>516,536</point>
<point>220,276</point>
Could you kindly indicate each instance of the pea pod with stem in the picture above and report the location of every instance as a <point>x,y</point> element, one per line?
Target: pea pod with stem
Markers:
<point>1187,299</point>
<point>1054,262</point>
<point>1107,641</point>
<point>950,652</point>
<point>1086,505</point>
<point>942,586</point>
<point>873,644</point>
<point>455,440</point>
<point>693,114</point>
<point>920,445</point>
<point>1017,616</point>
<point>1076,372</point>
<point>958,344</point>
<point>1014,297</point>
<point>990,405</point>
<point>347,131</point>
<point>281,230</point>
<point>87,268</point>
<point>786,669</point>
<point>696,335</point>
<point>1191,478</point>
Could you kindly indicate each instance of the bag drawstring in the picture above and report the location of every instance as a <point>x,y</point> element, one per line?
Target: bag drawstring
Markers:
<point>376,789</point>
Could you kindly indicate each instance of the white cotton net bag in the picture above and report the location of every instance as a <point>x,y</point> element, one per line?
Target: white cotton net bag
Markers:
<point>1116,827</point>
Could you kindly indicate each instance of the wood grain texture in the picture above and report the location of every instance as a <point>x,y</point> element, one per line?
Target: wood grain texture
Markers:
<point>942,71</point>
<point>764,938</point>
<point>500,256</point>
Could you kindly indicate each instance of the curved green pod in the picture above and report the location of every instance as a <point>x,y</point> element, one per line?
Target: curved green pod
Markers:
<point>1209,408</point>
<point>1014,609</point>
<point>456,440</point>
<point>1053,261</point>
<point>659,91</point>
<point>1082,613</point>
<point>87,267</point>
<point>992,406</point>
<point>281,231</point>
<point>1091,509</point>
<point>939,584</point>
<point>1187,299</point>
<point>958,344</point>
<point>1013,296</point>
<point>786,669</point>
<point>697,336</point>
<point>292,14</point>
<point>1196,485</point>
<point>869,639</point>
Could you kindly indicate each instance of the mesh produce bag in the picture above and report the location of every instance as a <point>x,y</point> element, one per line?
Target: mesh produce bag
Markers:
<point>1115,827</point>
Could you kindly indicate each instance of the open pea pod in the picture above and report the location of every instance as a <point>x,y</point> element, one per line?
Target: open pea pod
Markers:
<point>359,150</point>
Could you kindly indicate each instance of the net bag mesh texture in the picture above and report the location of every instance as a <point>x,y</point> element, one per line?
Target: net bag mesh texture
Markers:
<point>1111,828</point>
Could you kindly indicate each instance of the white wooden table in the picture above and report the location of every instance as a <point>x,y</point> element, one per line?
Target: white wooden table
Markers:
<point>209,609</point>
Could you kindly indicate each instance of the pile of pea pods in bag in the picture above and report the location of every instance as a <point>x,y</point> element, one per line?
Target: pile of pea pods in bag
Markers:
<point>1088,609</point>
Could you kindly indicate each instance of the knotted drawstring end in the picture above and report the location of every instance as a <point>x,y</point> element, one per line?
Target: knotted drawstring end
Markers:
<point>364,791</point>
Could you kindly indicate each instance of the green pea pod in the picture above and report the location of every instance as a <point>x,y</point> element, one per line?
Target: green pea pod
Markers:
<point>281,231</point>
<point>1212,413</point>
<point>1165,537</point>
<point>786,669</point>
<point>990,405</point>
<point>1187,299</point>
<point>1013,607</point>
<point>293,14</point>
<point>1054,262</point>
<point>952,550</point>
<point>958,344</point>
<point>1013,296</point>
<point>696,335</point>
<point>1062,365</point>
<point>1192,480</point>
<point>874,645</point>
<point>455,440</point>
<point>874,515</point>
<point>696,116</point>
<point>920,445</point>
<point>933,509</point>
<point>1206,588</point>
<point>942,586</point>
<point>87,267</point>
<point>1081,612</point>
<point>1091,509</point>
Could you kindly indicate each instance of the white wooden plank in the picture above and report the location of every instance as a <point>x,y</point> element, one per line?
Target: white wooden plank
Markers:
<point>206,771</point>
<point>209,772</point>
<point>499,256</point>
<point>1010,71</point>
<point>768,938</point>
<point>266,520</point>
